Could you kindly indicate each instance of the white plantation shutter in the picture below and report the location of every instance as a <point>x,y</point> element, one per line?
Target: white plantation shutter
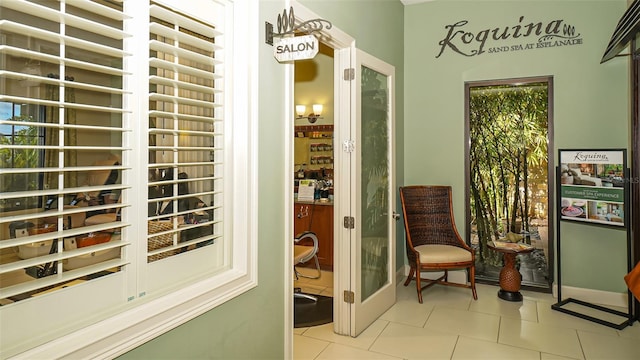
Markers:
<point>65,80</point>
<point>119,135</point>
<point>185,133</point>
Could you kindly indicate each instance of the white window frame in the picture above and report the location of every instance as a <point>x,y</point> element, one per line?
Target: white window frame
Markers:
<point>146,318</point>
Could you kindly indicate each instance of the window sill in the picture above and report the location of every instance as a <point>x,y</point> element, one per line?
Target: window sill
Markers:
<point>133,327</point>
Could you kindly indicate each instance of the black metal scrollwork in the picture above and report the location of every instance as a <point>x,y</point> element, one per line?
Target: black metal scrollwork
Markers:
<point>287,26</point>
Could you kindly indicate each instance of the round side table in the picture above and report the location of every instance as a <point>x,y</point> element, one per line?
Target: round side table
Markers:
<point>510,278</point>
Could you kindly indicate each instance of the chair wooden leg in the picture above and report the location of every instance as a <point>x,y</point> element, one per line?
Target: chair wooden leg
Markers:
<point>446,275</point>
<point>418,286</point>
<point>472,276</point>
<point>411,272</point>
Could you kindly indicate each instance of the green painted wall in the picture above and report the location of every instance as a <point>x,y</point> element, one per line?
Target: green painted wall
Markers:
<point>251,326</point>
<point>591,102</point>
<point>591,110</point>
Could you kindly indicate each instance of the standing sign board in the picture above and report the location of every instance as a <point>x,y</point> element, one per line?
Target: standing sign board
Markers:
<point>592,186</point>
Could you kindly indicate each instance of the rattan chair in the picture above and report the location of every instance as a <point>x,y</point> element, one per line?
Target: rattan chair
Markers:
<point>433,242</point>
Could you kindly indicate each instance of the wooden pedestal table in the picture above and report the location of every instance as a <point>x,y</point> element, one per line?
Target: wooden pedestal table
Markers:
<point>510,278</point>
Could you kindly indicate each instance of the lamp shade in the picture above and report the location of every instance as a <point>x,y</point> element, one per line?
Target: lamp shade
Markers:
<point>317,109</point>
<point>300,110</point>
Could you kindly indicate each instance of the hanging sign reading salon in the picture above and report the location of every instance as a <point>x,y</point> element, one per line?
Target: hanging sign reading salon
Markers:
<point>463,39</point>
<point>295,48</point>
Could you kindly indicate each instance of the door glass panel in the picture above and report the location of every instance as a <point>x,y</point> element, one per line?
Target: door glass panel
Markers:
<point>375,181</point>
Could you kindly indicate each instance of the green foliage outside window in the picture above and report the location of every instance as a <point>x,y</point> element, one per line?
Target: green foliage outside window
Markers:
<point>27,157</point>
<point>508,160</point>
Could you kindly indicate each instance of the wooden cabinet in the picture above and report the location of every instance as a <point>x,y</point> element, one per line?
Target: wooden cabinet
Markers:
<point>317,217</point>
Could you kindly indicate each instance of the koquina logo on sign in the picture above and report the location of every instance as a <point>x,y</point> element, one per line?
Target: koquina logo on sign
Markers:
<point>296,48</point>
<point>581,156</point>
<point>544,35</point>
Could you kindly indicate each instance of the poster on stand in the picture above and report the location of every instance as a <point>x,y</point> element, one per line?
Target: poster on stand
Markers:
<point>592,186</point>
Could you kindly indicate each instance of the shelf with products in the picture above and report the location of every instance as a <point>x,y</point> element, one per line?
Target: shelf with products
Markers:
<point>314,148</point>
<point>314,131</point>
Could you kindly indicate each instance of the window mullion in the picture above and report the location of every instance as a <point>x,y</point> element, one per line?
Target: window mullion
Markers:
<point>137,139</point>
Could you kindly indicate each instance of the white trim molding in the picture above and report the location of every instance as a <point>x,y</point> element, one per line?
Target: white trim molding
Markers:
<point>412,2</point>
<point>121,333</point>
<point>599,297</point>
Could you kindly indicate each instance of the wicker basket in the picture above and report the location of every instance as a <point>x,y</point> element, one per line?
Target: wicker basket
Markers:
<point>160,241</point>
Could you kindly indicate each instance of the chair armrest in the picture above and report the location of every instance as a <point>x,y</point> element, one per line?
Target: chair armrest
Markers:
<point>307,235</point>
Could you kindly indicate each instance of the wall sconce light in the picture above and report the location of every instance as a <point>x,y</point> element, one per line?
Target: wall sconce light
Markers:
<point>313,117</point>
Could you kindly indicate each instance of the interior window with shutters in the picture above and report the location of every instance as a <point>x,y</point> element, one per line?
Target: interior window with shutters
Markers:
<point>62,126</point>
<point>118,137</point>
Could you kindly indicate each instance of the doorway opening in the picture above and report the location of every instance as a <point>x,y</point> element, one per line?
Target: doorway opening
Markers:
<point>313,164</point>
<point>351,314</point>
<point>509,175</point>
<point>361,212</point>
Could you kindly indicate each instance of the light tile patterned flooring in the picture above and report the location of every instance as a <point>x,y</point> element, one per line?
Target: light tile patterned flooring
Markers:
<point>451,325</point>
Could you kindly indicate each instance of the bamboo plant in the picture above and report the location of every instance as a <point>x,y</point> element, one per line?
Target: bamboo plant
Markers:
<point>508,158</point>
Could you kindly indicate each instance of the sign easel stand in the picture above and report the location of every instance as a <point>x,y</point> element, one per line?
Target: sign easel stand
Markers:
<point>559,305</point>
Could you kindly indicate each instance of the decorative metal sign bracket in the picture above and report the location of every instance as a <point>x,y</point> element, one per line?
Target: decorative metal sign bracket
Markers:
<point>287,26</point>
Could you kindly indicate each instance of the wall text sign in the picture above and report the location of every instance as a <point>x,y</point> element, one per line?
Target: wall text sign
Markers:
<point>529,35</point>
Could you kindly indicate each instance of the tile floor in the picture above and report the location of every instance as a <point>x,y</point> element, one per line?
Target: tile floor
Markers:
<point>451,325</point>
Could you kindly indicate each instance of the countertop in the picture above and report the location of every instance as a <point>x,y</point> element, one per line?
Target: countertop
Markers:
<point>316,202</point>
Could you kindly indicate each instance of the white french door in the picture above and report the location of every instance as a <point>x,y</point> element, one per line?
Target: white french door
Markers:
<point>364,179</point>
<point>372,199</point>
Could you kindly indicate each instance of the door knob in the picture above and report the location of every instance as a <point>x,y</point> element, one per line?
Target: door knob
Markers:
<point>396,216</point>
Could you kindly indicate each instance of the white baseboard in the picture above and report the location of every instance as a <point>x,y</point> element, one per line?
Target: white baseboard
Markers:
<point>600,297</point>
<point>401,274</point>
<point>592,296</point>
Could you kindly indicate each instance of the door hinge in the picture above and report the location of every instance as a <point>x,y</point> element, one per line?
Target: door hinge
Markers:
<point>348,146</point>
<point>349,222</point>
<point>349,297</point>
<point>349,74</point>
